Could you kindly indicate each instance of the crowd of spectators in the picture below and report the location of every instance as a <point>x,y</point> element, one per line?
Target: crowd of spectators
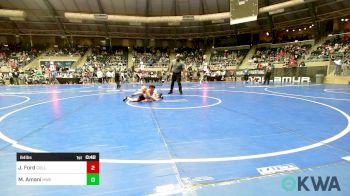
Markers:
<point>228,57</point>
<point>191,56</point>
<point>104,63</point>
<point>86,74</point>
<point>153,57</point>
<point>13,56</point>
<point>335,47</point>
<point>99,57</point>
<point>66,51</point>
<point>288,55</point>
<point>119,58</point>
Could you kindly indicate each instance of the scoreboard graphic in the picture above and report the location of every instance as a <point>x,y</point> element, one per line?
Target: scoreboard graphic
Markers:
<point>57,169</point>
<point>243,11</point>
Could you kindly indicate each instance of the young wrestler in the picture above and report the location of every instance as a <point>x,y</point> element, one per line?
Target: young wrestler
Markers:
<point>138,96</point>
<point>145,95</point>
<point>152,94</point>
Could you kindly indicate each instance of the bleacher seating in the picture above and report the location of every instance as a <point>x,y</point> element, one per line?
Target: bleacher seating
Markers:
<point>287,54</point>
<point>191,56</point>
<point>228,57</point>
<point>15,56</point>
<point>334,47</point>
<point>153,57</point>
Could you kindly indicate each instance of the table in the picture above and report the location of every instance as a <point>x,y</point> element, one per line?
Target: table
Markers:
<point>69,80</point>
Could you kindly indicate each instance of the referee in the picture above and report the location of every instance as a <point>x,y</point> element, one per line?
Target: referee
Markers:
<point>117,78</point>
<point>267,76</point>
<point>176,67</point>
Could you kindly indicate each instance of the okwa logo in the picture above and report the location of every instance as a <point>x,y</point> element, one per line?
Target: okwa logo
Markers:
<point>310,183</point>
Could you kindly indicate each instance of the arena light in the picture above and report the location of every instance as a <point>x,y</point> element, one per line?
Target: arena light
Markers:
<point>101,17</point>
<point>279,6</point>
<point>12,13</point>
<point>276,11</point>
<point>244,20</point>
<point>188,18</point>
<point>78,16</point>
<point>211,17</point>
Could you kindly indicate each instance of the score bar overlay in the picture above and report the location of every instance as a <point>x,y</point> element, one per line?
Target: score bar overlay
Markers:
<point>58,169</point>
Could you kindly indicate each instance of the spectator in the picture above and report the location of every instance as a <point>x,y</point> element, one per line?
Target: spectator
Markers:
<point>99,75</point>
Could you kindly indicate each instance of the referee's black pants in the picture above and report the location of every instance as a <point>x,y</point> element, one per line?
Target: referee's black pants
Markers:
<point>117,81</point>
<point>176,77</point>
<point>267,78</point>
